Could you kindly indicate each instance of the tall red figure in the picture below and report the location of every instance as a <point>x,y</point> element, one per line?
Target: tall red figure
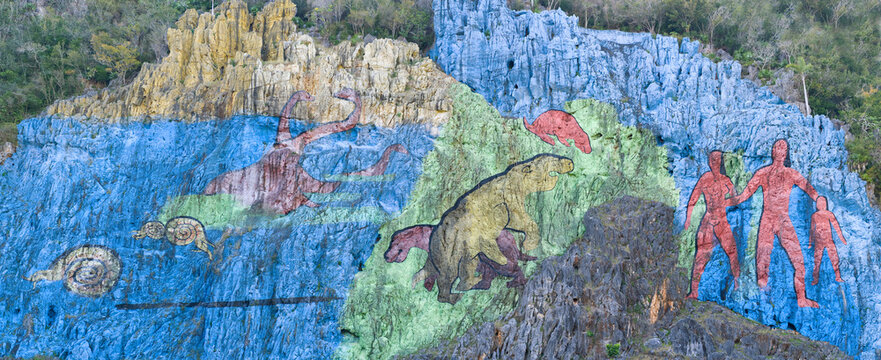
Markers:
<point>714,185</point>
<point>821,239</point>
<point>777,180</point>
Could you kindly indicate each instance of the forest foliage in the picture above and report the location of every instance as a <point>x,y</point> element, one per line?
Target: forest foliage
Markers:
<point>53,49</point>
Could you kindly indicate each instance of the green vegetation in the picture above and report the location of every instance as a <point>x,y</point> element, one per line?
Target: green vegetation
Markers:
<point>51,50</point>
<point>354,19</point>
<point>613,350</point>
<point>388,316</point>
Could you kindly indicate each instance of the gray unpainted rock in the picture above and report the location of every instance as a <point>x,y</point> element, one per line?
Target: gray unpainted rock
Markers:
<point>596,293</point>
<point>600,292</point>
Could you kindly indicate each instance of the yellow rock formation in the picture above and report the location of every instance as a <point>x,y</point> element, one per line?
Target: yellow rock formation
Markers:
<point>236,63</point>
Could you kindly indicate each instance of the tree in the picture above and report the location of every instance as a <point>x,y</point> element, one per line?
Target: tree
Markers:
<point>802,68</point>
<point>716,18</point>
<point>842,7</point>
<point>119,55</point>
<point>646,14</point>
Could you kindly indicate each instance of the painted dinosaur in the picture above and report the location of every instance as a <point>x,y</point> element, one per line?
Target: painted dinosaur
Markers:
<point>562,125</point>
<point>418,237</point>
<point>277,182</point>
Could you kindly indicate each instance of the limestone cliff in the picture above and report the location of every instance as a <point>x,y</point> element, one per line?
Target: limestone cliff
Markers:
<point>236,63</point>
<point>236,235</point>
<point>525,63</point>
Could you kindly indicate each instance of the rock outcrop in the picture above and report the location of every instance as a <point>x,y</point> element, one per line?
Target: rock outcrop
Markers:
<point>6,151</point>
<point>525,63</point>
<point>618,287</point>
<point>238,63</point>
<point>603,273</point>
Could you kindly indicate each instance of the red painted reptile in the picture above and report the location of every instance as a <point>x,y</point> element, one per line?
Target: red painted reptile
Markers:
<point>277,181</point>
<point>562,125</point>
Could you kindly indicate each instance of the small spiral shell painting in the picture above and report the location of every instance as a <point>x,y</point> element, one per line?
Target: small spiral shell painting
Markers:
<point>87,270</point>
<point>181,230</point>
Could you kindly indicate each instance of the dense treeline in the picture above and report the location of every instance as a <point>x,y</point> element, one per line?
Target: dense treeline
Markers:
<point>51,49</point>
<point>354,19</point>
<point>56,49</point>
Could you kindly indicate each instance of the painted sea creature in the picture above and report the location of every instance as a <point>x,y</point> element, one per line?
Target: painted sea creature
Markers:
<point>86,270</point>
<point>562,125</point>
<point>470,228</point>
<point>182,230</point>
<point>277,182</point>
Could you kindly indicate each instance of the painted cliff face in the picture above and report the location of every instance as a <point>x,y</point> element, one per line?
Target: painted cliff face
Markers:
<point>254,228</point>
<point>716,187</point>
<point>777,181</point>
<point>476,232</point>
<point>562,125</point>
<point>694,106</point>
<point>277,182</point>
<point>235,259</point>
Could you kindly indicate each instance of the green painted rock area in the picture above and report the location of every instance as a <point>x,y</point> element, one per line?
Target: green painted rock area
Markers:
<point>387,315</point>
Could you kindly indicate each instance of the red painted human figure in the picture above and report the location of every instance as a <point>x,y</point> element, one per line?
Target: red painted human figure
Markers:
<point>777,181</point>
<point>562,125</point>
<point>714,185</point>
<point>277,182</point>
<point>821,239</point>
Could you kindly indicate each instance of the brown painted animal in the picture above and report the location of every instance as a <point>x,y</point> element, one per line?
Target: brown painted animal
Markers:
<point>418,237</point>
<point>562,125</point>
<point>471,226</point>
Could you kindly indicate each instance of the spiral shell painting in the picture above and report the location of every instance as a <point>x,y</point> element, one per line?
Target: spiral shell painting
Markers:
<point>87,270</point>
<point>181,230</point>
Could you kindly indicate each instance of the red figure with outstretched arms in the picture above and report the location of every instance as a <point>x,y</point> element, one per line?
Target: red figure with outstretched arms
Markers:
<point>777,181</point>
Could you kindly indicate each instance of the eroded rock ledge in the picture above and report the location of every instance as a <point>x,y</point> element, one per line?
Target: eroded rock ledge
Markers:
<point>238,63</point>
<point>616,291</point>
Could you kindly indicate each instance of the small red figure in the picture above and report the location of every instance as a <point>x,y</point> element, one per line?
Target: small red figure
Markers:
<point>777,180</point>
<point>714,185</point>
<point>821,238</point>
<point>562,125</point>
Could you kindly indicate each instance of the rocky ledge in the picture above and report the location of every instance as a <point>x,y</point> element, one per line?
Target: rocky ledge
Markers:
<point>238,63</point>
<point>617,291</point>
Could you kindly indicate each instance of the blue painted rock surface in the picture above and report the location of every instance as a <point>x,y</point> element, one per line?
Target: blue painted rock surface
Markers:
<point>525,63</point>
<point>72,183</point>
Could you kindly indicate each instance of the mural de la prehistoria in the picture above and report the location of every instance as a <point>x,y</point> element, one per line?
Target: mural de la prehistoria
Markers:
<point>525,63</point>
<point>260,195</point>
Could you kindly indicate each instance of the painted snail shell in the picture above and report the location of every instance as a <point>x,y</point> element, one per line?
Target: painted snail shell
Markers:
<point>181,230</point>
<point>152,229</point>
<point>184,230</point>
<point>87,270</point>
